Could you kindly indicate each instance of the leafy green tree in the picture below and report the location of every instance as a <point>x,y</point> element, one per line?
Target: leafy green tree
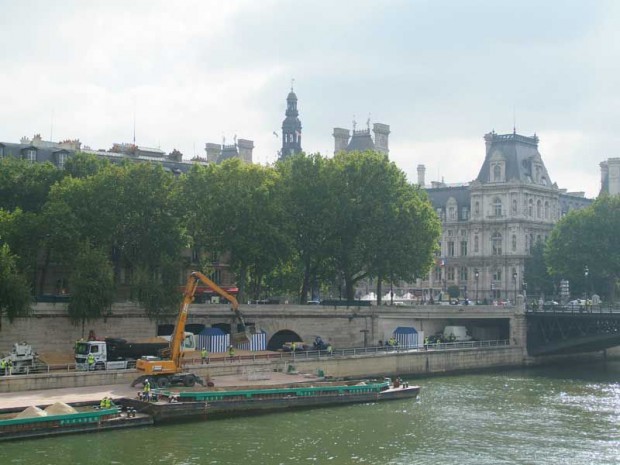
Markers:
<point>82,165</point>
<point>14,290</point>
<point>380,226</point>
<point>536,273</point>
<point>26,185</point>
<point>307,200</point>
<point>588,237</point>
<point>92,285</point>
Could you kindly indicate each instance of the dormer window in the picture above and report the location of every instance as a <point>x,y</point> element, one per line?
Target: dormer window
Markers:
<point>30,155</point>
<point>452,209</point>
<point>497,173</point>
<point>61,159</point>
<point>497,207</point>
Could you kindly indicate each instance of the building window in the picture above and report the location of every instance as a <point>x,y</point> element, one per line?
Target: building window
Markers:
<point>514,206</point>
<point>463,248</point>
<point>464,213</point>
<point>530,208</point>
<point>497,207</point>
<point>546,210</point>
<point>438,274</point>
<point>450,249</point>
<point>539,209</point>
<point>514,243</point>
<point>31,155</point>
<point>450,273</point>
<point>62,158</point>
<point>497,275</point>
<point>463,274</point>
<point>497,173</point>
<point>476,244</point>
<point>477,208</point>
<point>496,244</point>
<point>451,213</point>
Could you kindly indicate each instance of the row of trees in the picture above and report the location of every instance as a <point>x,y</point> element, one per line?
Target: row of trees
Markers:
<point>305,222</point>
<point>583,248</point>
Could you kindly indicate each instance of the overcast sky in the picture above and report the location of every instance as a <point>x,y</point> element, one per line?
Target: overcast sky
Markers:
<point>440,73</point>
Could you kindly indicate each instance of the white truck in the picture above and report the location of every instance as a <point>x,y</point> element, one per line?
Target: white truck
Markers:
<point>456,334</point>
<point>120,354</point>
<point>22,359</point>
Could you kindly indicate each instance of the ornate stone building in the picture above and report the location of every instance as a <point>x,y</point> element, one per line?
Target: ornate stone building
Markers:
<point>490,224</point>
<point>361,139</point>
<point>291,128</point>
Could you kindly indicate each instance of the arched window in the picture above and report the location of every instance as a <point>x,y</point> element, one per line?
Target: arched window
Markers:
<point>497,173</point>
<point>530,208</point>
<point>539,209</point>
<point>496,244</point>
<point>514,243</point>
<point>546,210</point>
<point>497,206</point>
<point>514,206</point>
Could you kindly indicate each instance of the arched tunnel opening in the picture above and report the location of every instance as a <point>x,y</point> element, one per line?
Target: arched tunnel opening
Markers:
<point>281,337</point>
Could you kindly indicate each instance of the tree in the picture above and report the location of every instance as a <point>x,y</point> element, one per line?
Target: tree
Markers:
<point>307,201</point>
<point>380,226</point>
<point>14,290</point>
<point>82,165</point>
<point>536,273</point>
<point>92,285</point>
<point>588,237</point>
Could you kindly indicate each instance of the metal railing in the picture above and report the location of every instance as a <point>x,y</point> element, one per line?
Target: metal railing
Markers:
<point>283,356</point>
<point>574,309</point>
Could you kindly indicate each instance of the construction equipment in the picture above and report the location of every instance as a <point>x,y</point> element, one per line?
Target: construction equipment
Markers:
<point>22,359</point>
<point>167,370</point>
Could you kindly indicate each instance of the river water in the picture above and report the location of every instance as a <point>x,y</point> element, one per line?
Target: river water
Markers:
<point>559,415</point>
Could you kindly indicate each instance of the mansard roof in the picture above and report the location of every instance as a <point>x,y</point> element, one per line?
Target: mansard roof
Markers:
<point>361,141</point>
<point>439,196</point>
<point>521,156</point>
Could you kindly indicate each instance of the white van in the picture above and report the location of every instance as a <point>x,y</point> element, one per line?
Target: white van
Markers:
<point>456,333</point>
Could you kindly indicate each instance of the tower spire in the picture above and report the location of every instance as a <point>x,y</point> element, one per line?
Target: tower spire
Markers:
<point>291,126</point>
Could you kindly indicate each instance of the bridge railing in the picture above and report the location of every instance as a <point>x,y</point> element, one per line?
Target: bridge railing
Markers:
<point>575,309</point>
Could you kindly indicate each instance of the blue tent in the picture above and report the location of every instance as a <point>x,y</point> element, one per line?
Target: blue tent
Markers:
<point>213,339</point>
<point>406,336</point>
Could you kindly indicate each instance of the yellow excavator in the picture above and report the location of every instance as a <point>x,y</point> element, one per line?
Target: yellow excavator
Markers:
<point>166,370</point>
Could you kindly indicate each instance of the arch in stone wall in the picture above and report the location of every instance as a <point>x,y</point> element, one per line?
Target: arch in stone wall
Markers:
<point>281,337</point>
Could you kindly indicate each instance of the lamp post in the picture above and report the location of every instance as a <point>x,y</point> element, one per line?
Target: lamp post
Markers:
<point>514,278</point>
<point>586,272</point>
<point>476,275</point>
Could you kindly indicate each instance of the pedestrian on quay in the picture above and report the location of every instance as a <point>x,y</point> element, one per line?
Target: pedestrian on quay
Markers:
<point>2,367</point>
<point>9,367</point>
<point>231,352</point>
<point>330,349</point>
<point>204,355</point>
<point>91,362</point>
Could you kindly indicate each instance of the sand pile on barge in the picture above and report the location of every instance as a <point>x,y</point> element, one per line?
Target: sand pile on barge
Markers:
<point>60,408</point>
<point>32,412</point>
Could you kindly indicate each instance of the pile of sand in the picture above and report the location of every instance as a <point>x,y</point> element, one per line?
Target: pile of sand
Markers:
<point>32,412</point>
<point>60,408</point>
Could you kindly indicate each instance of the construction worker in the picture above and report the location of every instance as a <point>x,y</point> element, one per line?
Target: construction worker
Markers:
<point>231,352</point>
<point>146,390</point>
<point>204,355</point>
<point>293,347</point>
<point>2,367</point>
<point>102,404</point>
<point>108,402</point>
<point>9,367</point>
<point>91,362</point>
<point>330,349</point>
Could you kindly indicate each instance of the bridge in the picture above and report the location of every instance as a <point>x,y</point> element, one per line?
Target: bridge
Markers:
<point>568,330</point>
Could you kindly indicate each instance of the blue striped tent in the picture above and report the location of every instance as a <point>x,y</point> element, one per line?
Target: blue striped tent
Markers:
<point>407,337</point>
<point>213,339</point>
<point>258,342</point>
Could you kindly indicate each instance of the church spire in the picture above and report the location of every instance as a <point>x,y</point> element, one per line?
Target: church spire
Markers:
<point>291,127</point>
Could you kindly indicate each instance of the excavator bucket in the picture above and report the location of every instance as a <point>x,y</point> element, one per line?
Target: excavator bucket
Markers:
<point>241,337</point>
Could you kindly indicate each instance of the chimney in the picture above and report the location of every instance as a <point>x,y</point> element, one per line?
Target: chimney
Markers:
<point>382,134</point>
<point>245,149</point>
<point>488,141</point>
<point>341,139</point>
<point>421,175</point>
<point>213,152</point>
<point>614,176</point>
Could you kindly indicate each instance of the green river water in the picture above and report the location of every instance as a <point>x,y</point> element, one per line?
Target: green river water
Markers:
<point>560,415</point>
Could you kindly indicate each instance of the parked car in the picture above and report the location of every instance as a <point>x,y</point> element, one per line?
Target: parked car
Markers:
<point>579,304</point>
<point>550,304</point>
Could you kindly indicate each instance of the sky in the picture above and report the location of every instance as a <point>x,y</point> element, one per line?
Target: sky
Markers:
<point>440,73</point>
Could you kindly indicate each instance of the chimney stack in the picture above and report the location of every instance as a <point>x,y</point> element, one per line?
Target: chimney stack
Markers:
<point>213,152</point>
<point>341,139</point>
<point>245,148</point>
<point>421,175</point>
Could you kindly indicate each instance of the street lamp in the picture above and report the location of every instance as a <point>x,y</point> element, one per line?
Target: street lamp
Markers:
<point>514,278</point>
<point>586,272</point>
<point>476,275</point>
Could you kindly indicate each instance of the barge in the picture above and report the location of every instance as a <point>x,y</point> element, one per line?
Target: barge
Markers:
<point>87,419</point>
<point>211,404</point>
